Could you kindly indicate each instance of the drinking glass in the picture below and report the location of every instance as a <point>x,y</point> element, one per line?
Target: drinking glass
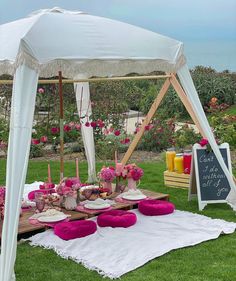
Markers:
<point>39,200</point>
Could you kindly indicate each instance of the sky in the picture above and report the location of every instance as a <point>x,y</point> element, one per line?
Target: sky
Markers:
<point>207,27</point>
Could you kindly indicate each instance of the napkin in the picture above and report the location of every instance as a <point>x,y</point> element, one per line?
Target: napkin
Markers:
<point>48,213</point>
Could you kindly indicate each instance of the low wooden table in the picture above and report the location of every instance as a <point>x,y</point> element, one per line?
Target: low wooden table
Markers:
<point>25,226</point>
<point>132,205</point>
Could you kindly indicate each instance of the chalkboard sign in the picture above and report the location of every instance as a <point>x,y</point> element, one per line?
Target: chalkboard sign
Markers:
<point>207,176</point>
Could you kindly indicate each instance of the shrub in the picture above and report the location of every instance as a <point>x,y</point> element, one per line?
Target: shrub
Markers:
<point>186,136</point>
<point>159,137</point>
<point>106,146</point>
<point>3,130</point>
<point>224,128</point>
<point>36,150</point>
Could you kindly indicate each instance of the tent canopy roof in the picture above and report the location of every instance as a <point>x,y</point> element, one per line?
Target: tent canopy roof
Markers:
<point>75,42</point>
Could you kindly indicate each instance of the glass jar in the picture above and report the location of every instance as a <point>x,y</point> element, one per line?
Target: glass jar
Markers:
<point>187,161</point>
<point>179,163</point>
<point>170,155</point>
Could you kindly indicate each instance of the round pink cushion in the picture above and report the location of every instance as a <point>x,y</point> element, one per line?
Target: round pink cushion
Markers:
<point>156,207</point>
<point>75,229</point>
<point>116,218</point>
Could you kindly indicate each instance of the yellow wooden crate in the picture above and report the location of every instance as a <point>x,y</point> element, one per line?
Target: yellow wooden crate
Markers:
<point>176,180</point>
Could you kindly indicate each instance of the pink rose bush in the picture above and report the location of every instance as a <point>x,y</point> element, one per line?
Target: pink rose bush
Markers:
<point>2,201</point>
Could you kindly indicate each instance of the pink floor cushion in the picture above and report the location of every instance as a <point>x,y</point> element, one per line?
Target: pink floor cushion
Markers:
<point>31,194</point>
<point>75,229</point>
<point>116,218</point>
<point>156,207</point>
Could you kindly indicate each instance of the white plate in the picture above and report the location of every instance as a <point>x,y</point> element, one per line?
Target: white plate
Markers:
<point>134,197</point>
<point>96,206</point>
<point>55,218</point>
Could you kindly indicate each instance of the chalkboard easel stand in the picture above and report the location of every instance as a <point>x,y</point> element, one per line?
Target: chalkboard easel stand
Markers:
<point>208,181</point>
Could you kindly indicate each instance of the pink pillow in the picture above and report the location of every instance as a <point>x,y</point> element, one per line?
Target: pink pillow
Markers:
<point>156,207</point>
<point>116,218</point>
<point>75,229</point>
<point>31,194</point>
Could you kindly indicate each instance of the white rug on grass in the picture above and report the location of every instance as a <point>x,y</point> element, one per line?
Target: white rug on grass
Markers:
<point>113,252</point>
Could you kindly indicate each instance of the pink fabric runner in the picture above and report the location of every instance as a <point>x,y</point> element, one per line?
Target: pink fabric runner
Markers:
<point>52,224</point>
<point>81,208</point>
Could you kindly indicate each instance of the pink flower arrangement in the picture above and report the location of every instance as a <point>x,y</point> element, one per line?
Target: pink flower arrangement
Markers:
<point>107,174</point>
<point>132,171</point>
<point>68,187</point>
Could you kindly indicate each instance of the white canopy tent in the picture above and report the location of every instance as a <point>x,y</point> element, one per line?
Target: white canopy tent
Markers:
<point>77,44</point>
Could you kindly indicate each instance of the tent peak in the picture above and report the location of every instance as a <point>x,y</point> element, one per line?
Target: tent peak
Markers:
<point>56,10</point>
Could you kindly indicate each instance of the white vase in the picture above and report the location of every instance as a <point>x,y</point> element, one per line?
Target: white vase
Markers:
<point>132,184</point>
<point>70,203</point>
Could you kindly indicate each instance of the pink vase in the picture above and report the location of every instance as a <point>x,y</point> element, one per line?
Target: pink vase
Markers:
<point>108,186</point>
<point>132,184</point>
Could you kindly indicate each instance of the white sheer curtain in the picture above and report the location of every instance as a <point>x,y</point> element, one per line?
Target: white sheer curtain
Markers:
<point>85,110</point>
<point>22,111</point>
<point>187,83</point>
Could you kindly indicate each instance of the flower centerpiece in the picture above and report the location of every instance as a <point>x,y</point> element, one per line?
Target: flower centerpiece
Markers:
<point>67,189</point>
<point>133,174</point>
<point>106,176</point>
<point>2,201</point>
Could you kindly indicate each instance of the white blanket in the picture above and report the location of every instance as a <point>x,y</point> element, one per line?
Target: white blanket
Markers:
<point>113,252</point>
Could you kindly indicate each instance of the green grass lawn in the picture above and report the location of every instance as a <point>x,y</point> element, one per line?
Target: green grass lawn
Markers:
<point>209,261</point>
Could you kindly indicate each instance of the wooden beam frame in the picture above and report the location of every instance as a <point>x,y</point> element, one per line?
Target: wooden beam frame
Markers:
<point>103,79</point>
<point>146,121</point>
<point>61,127</point>
<point>183,97</point>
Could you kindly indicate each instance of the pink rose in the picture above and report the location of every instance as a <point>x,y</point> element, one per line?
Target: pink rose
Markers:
<point>117,133</point>
<point>147,127</point>
<point>87,124</point>
<point>55,130</point>
<point>67,128</point>
<point>44,139</point>
<point>203,142</point>
<point>100,123</point>
<point>93,124</point>
<point>41,90</point>
<point>68,183</point>
<point>35,141</point>
<point>77,127</point>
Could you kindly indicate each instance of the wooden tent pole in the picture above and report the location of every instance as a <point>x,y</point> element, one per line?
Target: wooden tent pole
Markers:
<point>102,79</point>
<point>179,90</point>
<point>146,121</point>
<point>61,127</point>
